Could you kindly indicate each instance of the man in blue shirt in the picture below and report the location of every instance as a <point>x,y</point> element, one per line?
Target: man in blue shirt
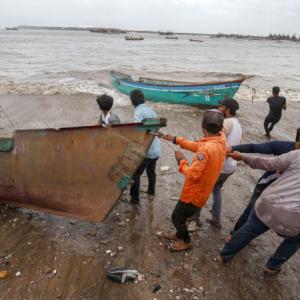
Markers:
<point>276,148</point>
<point>141,112</point>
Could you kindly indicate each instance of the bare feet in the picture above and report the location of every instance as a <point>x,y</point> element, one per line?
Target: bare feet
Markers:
<point>228,238</point>
<point>271,272</point>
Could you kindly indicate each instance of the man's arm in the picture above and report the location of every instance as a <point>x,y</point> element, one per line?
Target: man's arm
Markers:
<point>264,148</point>
<point>194,171</point>
<point>186,144</point>
<point>279,163</point>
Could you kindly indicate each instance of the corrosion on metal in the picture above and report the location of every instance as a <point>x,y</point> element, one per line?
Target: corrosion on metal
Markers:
<point>75,172</point>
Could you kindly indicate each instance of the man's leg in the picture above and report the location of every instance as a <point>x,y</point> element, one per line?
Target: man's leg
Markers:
<point>150,170</point>
<point>273,122</point>
<point>286,250</point>
<point>266,125</point>
<point>259,188</point>
<point>217,200</point>
<point>181,213</point>
<point>135,187</point>
<point>253,228</point>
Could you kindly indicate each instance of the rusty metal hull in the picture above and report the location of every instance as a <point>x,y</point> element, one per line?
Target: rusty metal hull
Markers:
<point>73,172</point>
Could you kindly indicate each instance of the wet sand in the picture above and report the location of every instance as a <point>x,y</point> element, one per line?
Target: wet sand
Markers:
<point>66,259</point>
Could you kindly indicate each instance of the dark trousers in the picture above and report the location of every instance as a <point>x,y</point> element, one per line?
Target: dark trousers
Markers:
<point>259,188</point>
<point>181,213</point>
<point>270,122</point>
<point>149,165</point>
<point>253,228</point>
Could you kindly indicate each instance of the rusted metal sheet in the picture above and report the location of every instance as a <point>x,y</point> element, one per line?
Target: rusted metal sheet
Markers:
<point>73,172</point>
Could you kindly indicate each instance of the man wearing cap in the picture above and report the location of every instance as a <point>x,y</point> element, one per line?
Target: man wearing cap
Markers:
<point>233,132</point>
<point>200,176</point>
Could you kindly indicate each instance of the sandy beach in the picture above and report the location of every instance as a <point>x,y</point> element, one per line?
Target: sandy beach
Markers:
<point>49,257</point>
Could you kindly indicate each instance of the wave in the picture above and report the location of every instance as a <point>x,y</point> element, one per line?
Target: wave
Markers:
<point>41,88</point>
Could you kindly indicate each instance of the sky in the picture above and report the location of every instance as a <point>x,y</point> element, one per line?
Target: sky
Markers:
<point>259,17</point>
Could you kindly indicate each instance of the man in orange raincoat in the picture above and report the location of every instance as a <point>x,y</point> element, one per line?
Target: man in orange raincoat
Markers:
<point>200,176</point>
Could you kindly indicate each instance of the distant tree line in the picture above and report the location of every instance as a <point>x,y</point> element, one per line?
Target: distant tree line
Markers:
<point>283,37</point>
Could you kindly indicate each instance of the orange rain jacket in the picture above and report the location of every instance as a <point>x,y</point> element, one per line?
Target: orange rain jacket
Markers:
<point>202,174</point>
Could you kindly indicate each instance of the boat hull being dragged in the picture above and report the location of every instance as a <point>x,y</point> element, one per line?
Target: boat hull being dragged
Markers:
<point>195,94</point>
<point>73,172</point>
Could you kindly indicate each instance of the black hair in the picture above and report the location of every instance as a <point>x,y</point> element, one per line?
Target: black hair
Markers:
<point>105,102</point>
<point>298,135</point>
<point>137,97</point>
<point>213,121</point>
<point>276,90</point>
<point>231,104</point>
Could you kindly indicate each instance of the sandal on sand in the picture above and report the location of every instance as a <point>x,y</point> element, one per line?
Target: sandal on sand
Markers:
<point>270,272</point>
<point>180,246</point>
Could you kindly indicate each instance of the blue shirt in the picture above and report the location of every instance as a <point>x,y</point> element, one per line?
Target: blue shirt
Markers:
<point>274,147</point>
<point>142,112</point>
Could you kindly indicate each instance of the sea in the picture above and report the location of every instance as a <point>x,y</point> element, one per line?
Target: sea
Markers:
<point>57,62</point>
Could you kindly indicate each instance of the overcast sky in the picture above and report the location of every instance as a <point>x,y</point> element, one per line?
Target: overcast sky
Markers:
<point>202,16</point>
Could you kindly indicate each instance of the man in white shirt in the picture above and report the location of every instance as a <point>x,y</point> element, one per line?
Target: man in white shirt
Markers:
<point>233,132</point>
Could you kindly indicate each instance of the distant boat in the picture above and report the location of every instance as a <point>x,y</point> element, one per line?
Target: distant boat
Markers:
<point>12,28</point>
<point>165,33</point>
<point>195,94</point>
<point>194,40</point>
<point>107,30</point>
<point>134,38</point>
<point>171,37</point>
<point>77,172</point>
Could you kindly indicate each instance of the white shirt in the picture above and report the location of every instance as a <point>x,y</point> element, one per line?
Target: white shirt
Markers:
<point>233,133</point>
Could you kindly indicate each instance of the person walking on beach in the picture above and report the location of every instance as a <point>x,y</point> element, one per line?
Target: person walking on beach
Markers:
<point>141,112</point>
<point>107,116</point>
<point>276,105</point>
<point>200,176</point>
<point>272,148</point>
<point>278,208</point>
<point>233,132</point>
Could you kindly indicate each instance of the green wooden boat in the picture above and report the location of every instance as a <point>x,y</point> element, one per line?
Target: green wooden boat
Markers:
<point>195,94</point>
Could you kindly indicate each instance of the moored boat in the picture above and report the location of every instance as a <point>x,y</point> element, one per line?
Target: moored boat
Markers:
<point>11,28</point>
<point>195,40</point>
<point>171,37</point>
<point>73,172</point>
<point>133,38</point>
<point>195,94</point>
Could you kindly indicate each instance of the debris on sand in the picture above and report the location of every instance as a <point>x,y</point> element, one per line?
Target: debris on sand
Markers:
<point>123,275</point>
<point>165,168</point>
<point>156,288</point>
<point>18,273</point>
<point>120,249</point>
<point>51,274</point>
<point>3,274</point>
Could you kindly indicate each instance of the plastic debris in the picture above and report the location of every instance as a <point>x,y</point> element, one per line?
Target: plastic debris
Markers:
<point>165,168</point>
<point>3,274</point>
<point>51,274</point>
<point>18,274</point>
<point>120,249</point>
<point>122,275</point>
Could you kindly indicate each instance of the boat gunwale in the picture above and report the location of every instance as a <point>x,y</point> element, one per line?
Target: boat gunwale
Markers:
<point>179,84</point>
<point>161,123</point>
